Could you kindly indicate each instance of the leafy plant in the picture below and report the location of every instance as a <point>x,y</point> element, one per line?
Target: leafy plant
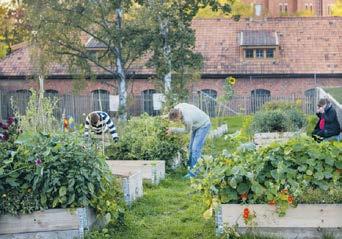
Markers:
<point>277,174</point>
<point>39,114</point>
<point>145,138</point>
<point>44,171</point>
<point>278,117</point>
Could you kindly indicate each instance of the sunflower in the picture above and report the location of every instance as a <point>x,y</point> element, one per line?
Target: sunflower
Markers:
<point>231,80</point>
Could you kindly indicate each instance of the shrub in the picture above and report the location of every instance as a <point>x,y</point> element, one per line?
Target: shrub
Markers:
<point>278,117</point>
<point>44,171</point>
<point>145,138</point>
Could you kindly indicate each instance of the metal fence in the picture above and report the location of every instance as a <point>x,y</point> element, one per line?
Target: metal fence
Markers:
<point>79,106</point>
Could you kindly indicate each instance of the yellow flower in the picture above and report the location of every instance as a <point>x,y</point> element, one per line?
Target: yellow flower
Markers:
<point>231,80</point>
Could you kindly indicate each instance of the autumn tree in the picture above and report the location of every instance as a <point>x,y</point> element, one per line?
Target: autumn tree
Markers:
<point>337,8</point>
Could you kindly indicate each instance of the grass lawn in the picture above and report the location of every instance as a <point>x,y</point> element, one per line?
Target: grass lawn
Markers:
<point>234,122</point>
<point>336,93</point>
<point>170,210</point>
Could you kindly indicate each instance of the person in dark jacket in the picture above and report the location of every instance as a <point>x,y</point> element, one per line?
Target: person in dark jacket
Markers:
<point>327,125</point>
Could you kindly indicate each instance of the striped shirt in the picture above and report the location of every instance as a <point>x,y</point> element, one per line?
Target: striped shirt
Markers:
<point>103,125</point>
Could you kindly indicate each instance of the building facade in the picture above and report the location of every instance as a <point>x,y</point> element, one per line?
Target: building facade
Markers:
<point>276,8</point>
<point>272,57</point>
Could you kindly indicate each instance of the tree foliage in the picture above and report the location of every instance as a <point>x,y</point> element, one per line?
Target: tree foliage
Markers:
<point>13,29</point>
<point>64,27</point>
<point>337,8</point>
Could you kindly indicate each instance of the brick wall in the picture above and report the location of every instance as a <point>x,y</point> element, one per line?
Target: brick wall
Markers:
<point>243,87</point>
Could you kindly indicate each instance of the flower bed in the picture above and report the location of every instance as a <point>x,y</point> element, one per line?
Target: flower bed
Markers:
<point>280,175</point>
<point>41,171</point>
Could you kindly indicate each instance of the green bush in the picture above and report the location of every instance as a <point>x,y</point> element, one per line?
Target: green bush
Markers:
<point>278,117</point>
<point>145,138</point>
<point>44,171</point>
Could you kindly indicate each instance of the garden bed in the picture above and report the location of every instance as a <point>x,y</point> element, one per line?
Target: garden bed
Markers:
<point>265,139</point>
<point>132,184</point>
<point>304,221</point>
<point>151,170</point>
<point>48,224</point>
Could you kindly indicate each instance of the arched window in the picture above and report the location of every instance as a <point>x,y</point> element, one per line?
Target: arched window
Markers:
<point>100,99</point>
<point>51,93</point>
<point>21,99</point>
<point>310,101</point>
<point>258,98</point>
<point>208,101</point>
<point>147,101</point>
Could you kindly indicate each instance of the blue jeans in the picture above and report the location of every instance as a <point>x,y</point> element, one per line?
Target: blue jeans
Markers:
<point>196,144</point>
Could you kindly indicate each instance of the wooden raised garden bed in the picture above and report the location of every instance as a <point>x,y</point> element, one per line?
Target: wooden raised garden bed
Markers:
<point>151,170</point>
<point>48,224</point>
<point>132,183</point>
<point>264,139</point>
<point>307,221</point>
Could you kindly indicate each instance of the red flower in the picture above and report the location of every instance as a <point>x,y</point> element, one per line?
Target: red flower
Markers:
<point>272,202</point>
<point>246,213</point>
<point>10,121</point>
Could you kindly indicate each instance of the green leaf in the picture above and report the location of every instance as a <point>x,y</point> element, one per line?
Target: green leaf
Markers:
<point>62,191</point>
<point>91,188</point>
<point>309,172</point>
<point>232,183</point>
<point>243,188</point>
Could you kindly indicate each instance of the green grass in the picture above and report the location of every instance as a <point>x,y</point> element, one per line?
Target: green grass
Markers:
<point>234,122</point>
<point>335,92</point>
<point>170,210</point>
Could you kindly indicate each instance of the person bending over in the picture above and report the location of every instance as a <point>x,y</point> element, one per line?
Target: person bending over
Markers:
<point>198,124</point>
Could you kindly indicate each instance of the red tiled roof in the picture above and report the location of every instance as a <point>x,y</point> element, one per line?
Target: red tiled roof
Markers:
<point>306,45</point>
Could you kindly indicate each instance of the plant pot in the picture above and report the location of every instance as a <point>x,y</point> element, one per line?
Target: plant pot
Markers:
<point>307,221</point>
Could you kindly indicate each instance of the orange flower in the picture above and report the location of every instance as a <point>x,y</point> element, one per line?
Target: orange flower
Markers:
<point>246,213</point>
<point>244,196</point>
<point>290,199</point>
<point>272,202</point>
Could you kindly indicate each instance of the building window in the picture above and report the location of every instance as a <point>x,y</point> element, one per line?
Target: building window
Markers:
<point>285,8</point>
<point>100,99</point>
<point>258,98</point>
<point>51,93</point>
<point>258,10</point>
<point>329,10</point>
<point>208,101</point>
<point>280,7</point>
<point>259,53</point>
<point>249,53</point>
<point>311,7</point>
<point>306,6</point>
<point>21,99</point>
<point>147,101</point>
<point>269,53</point>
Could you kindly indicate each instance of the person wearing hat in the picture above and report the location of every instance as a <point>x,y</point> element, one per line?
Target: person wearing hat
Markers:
<point>198,124</point>
<point>327,124</point>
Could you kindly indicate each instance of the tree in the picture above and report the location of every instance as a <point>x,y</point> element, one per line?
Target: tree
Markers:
<point>120,38</point>
<point>173,48</point>
<point>238,9</point>
<point>13,29</point>
<point>337,8</point>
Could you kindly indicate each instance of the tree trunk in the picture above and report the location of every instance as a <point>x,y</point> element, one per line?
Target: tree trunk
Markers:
<point>164,30</point>
<point>120,70</point>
